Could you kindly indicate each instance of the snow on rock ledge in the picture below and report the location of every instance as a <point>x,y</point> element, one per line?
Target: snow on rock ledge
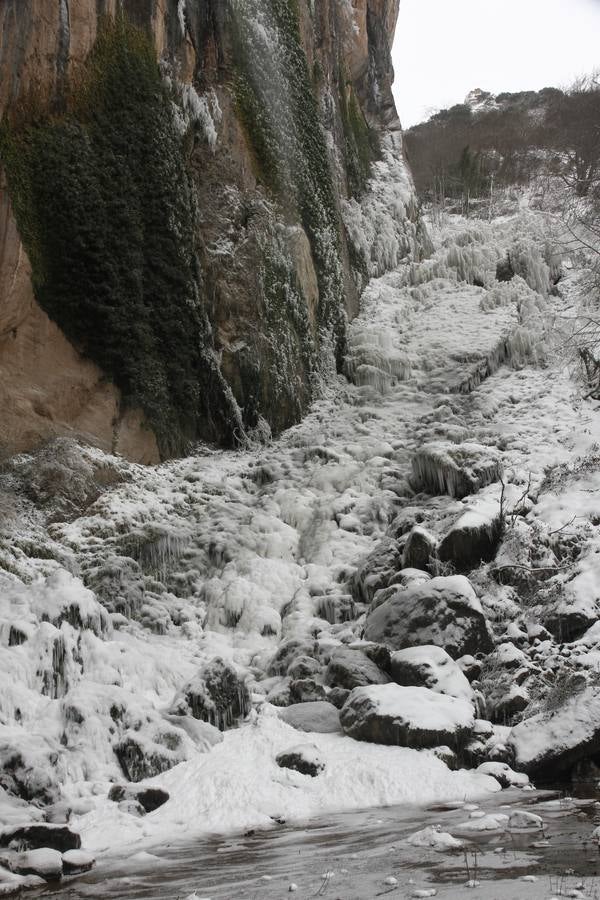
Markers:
<point>433,668</point>
<point>550,744</point>
<point>407,717</point>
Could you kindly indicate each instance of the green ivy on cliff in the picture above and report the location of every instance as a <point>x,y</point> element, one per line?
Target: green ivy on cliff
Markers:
<point>105,208</point>
<point>279,110</point>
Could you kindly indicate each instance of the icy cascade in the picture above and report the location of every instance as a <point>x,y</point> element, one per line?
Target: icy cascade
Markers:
<point>254,558</point>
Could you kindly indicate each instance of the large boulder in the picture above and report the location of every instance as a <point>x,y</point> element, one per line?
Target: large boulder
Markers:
<point>143,755</point>
<point>352,668</point>
<point>41,834</point>
<point>407,717</point>
<point>433,668</point>
<point>45,862</point>
<point>444,611</point>
<point>550,744</point>
<point>216,695</point>
<point>442,467</point>
<point>319,717</point>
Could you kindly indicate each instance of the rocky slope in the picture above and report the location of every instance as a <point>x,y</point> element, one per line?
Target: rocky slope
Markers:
<point>179,251</point>
<point>413,567</point>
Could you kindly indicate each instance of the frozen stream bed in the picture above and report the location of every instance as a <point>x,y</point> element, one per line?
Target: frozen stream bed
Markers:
<point>365,854</point>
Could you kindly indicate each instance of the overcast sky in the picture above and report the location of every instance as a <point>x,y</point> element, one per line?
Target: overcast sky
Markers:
<point>445,48</point>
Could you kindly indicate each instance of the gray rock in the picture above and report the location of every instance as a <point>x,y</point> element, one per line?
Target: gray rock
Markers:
<point>419,549</point>
<point>338,696</point>
<point>304,667</point>
<point>287,653</point>
<point>307,690</point>
<point>319,717</point>
<point>77,861</point>
<point>352,668</point>
<point>377,570</point>
<point>474,538</point>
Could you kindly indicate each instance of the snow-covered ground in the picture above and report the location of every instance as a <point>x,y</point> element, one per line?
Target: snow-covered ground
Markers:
<point>233,554</point>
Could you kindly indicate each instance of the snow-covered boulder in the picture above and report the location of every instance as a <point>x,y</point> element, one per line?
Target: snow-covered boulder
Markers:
<point>433,838</point>
<point>45,862</point>
<point>550,744</point>
<point>303,758</point>
<point>352,668</point>
<point>30,765</point>
<point>75,862</point>
<point>442,467</point>
<point>217,695</point>
<point>406,717</point>
<point>504,775</point>
<point>474,537</point>
<point>522,820</point>
<point>568,618</point>
<point>144,754</point>
<point>491,823</point>
<point>41,834</point>
<point>444,611</point>
<point>433,668</point>
<point>419,549</point>
<point>319,717</point>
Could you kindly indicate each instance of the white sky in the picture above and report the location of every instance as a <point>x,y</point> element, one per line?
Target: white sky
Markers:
<point>445,48</point>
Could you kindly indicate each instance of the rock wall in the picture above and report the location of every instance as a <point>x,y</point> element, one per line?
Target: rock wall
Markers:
<point>273,150</point>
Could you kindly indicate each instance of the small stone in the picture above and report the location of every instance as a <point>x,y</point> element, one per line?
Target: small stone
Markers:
<point>390,880</point>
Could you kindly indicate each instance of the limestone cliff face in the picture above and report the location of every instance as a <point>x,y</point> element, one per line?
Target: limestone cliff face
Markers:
<point>281,109</point>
